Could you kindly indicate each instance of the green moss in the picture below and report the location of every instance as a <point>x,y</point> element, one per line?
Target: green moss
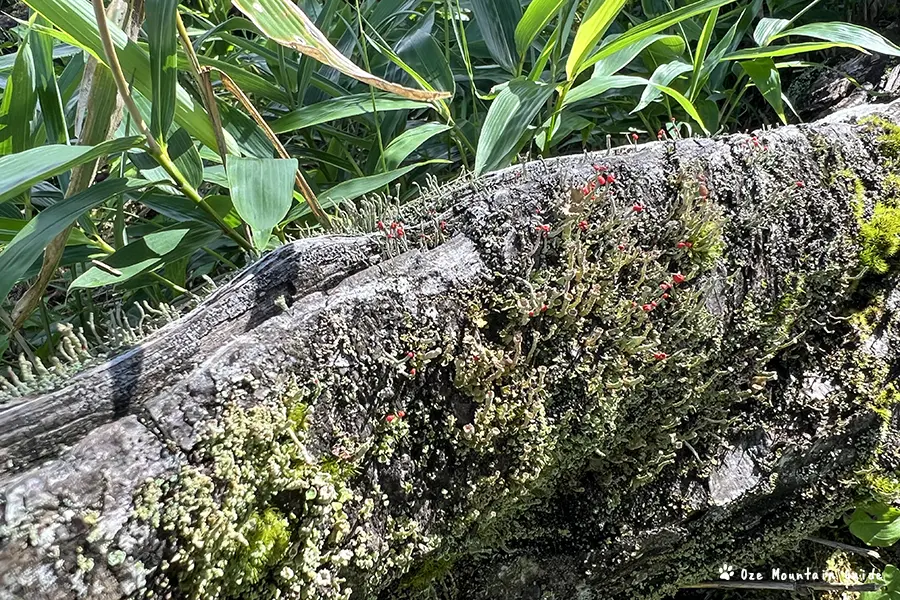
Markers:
<point>880,238</point>
<point>888,137</point>
<point>267,537</point>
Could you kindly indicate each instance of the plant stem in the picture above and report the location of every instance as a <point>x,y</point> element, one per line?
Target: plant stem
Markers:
<point>158,152</point>
<point>203,81</point>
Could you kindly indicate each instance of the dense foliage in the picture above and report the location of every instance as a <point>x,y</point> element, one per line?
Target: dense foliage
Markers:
<point>143,204</point>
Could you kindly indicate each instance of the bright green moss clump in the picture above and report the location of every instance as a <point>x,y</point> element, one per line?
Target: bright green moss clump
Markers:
<point>880,232</point>
<point>880,237</point>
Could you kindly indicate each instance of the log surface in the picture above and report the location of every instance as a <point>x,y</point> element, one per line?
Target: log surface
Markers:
<point>669,481</point>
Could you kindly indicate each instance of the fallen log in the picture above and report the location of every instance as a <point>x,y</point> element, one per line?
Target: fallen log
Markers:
<point>593,376</point>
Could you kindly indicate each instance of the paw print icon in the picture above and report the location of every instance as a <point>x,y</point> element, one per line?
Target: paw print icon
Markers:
<point>726,571</point>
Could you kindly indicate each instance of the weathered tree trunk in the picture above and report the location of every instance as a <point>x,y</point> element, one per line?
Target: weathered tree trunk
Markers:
<point>528,387</point>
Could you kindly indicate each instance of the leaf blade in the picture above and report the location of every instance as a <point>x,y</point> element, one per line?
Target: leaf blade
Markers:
<point>262,191</point>
<point>598,17</point>
<point>20,171</point>
<point>765,77</point>
<point>284,23</point>
<point>507,119</point>
<point>19,255</point>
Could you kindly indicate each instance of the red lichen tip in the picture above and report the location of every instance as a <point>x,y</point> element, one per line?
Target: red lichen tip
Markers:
<point>647,307</point>
<point>583,225</point>
<point>638,208</point>
<point>390,418</point>
<point>800,184</point>
<point>610,178</point>
<point>401,414</point>
<point>678,278</point>
<point>601,180</point>
<point>635,136</point>
<point>660,355</point>
<point>410,354</point>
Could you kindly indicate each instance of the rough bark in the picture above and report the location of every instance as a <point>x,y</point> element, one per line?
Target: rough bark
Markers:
<point>857,81</point>
<point>536,391</point>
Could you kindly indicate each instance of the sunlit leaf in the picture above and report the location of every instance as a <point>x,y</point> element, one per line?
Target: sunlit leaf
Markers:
<point>648,28</point>
<point>662,76</point>
<point>845,33</point>
<point>284,22</point>
<point>597,18</point>
<point>20,171</point>
<point>599,84</point>
<point>262,190</point>
<point>536,17</point>
<point>409,141</point>
<point>786,50</point>
<point>508,118</point>
<point>160,26</point>
<point>876,524</point>
<point>767,28</point>
<point>341,108</point>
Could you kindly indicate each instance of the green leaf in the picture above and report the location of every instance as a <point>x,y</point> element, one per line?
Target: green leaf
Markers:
<point>617,60</point>
<point>700,52</point>
<point>786,50</point>
<point>283,22</point>
<point>536,17</point>
<point>341,108</point>
<point>890,589</point>
<point>845,33</point>
<point>182,152</point>
<point>161,35</point>
<point>420,52</point>
<point>10,228</point>
<point>19,101</point>
<point>508,118</point>
<point>767,28</point>
<point>409,141</point>
<point>597,85</point>
<point>876,524</point>
<point>648,28</point>
<point>662,76</point>
<point>686,104</point>
<point>497,20</point>
<point>30,242</point>
<point>147,253</point>
<point>18,172</point>
<point>597,18</point>
<point>49,96</point>
<point>262,190</point>
<point>765,77</point>
<point>179,208</point>
<point>75,19</point>
<point>354,188</point>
